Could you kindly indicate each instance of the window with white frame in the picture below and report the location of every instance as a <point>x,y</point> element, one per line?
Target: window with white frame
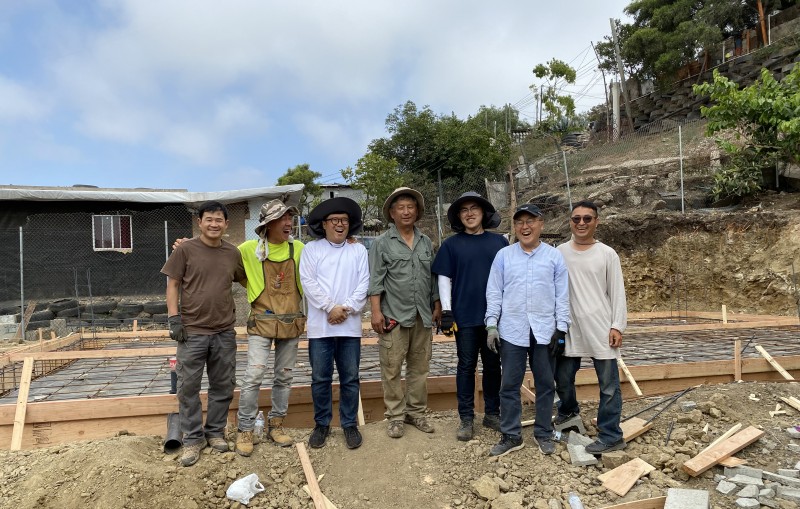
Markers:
<point>112,233</point>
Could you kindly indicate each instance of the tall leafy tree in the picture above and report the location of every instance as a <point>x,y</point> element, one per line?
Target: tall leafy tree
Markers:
<point>559,107</point>
<point>376,178</point>
<point>302,174</point>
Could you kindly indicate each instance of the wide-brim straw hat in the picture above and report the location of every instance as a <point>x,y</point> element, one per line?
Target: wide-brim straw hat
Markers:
<point>401,191</point>
<point>270,211</point>
<point>338,205</point>
<point>491,219</point>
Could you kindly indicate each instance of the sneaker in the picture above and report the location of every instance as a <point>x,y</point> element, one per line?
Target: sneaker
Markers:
<point>506,445</point>
<point>396,429</point>
<point>491,421</point>
<point>318,436</point>
<point>465,431</point>
<point>598,447</point>
<point>191,453</point>
<point>546,445</point>
<point>352,437</point>
<point>421,423</point>
<point>218,444</point>
<point>244,442</point>
<point>561,419</point>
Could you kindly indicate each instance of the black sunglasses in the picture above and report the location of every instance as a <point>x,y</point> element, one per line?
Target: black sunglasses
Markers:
<point>586,219</point>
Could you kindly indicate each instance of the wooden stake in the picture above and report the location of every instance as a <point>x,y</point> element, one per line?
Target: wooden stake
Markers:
<point>527,393</point>
<point>479,405</point>
<point>360,415</point>
<point>135,325</point>
<point>724,313</point>
<point>737,360</point>
<point>22,404</point>
<point>28,312</point>
<point>628,375</point>
<point>785,374</point>
<point>308,469</point>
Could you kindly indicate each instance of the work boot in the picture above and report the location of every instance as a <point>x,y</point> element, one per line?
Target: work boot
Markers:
<point>276,433</point>
<point>421,423</point>
<point>396,429</point>
<point>491,421</point>
<point>218,444</point>
<point>465,430</point>
<point>318,436</point>
<point>191,453</point>
<point>244,442</point>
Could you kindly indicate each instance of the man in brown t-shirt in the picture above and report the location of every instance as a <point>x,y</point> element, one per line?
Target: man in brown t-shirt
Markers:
<point>201,318</point>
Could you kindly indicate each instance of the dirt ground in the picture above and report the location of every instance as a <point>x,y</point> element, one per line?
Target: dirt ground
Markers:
<point>419,470</point>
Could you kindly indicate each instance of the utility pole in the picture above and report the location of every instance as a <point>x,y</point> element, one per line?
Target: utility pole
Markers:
<point>605,90</point>
<point>621,72</point>
<point>615,103</point>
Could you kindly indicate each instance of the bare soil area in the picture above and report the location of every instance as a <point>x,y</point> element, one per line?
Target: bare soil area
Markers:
<point>419,470</point>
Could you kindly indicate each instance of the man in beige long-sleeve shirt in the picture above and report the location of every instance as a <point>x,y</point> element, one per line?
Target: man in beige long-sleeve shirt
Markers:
<point>598,318</point>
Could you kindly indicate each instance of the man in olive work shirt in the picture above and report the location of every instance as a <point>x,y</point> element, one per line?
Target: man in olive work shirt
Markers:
<point>402,289</point>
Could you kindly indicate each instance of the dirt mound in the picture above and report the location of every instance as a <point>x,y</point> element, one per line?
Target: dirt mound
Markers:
<point>419,470</point>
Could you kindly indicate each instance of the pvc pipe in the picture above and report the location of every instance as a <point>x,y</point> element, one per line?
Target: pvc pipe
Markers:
<point>174,439</point>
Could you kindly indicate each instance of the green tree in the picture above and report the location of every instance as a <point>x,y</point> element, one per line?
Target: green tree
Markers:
<point>765,117</point>
<point>302,174</point>
<point>376,178</point>
<point>559,108</point>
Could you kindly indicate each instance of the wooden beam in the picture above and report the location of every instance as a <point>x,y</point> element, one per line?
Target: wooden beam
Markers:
<point>621,479</point>
<point>735,428</point>
<point>328,503</point>
<point>629,376</point>
<point>311,477</point>
<point>634,427</point>
<point>26,318</point>
<point>733,461</point>
<point>773,363</point>
<point>791,402</point>
<point>22,404</point>
<point>527,393</point>
<point>737,360</point>
<point>648,503</point>
<point>707,459</point>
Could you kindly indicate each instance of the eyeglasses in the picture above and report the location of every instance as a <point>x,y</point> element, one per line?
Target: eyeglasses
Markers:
<point>470,210</point>
<point>586,219</point>
<point>526,222</point>
<point>338,220</point>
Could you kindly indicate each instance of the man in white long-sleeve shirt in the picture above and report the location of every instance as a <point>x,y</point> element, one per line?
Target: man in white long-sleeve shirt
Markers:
<point>335,278</point>
<point>599,315</point>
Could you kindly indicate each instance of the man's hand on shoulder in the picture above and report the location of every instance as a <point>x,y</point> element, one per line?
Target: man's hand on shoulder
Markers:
<point>178,242</point>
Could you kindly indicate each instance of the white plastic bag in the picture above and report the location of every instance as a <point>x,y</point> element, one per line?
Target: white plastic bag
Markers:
<point>242,490</point>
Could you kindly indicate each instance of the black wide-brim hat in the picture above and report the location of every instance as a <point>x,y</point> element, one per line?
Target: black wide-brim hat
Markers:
<point>491,218</point>
<point>338,205</point>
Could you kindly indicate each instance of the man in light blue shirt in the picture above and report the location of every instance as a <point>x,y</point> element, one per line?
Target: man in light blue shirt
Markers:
<point>527,316</point>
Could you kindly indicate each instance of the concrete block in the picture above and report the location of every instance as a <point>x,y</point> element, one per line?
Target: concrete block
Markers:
<point>794,448</point>
<point>769,502</point>
<point>744,480</point>
<point>575,422</point>
<point>726,488</point>
<point>678,498</point>
<point>766,492</point>
<point>578,439</point>
<point>743,470</point>
<point>785,493</point>
<point>6,319</point>
<point>688,406</point>
<point>748,491</point>
<point>789,472</point>
<point>579,457</point>
<point>782,479</point>
<point>748,503</point>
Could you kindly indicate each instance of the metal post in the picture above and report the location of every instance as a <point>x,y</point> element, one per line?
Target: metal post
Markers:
<point>21,287</point>
<point>566,173</point>
<point>769,29</point>
<point>439,204</point>
<point>166,242</point>
<point>680,151</point>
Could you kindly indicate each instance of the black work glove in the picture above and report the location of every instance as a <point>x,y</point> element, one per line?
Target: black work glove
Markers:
<point>176,329</point>
<point>558,343</point>
<point>447,323</point>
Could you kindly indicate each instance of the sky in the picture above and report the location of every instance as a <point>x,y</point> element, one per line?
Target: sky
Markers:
<point>207,95</point>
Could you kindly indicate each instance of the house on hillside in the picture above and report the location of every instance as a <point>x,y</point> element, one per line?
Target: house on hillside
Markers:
<point>90,242</point>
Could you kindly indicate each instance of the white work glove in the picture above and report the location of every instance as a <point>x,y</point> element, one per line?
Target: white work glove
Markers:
<point>492,339</point>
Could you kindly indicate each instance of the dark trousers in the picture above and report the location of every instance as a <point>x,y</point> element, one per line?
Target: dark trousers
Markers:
<point>513,359</point>
<point>471,342</point>
<point>610,407</point>
<point>217,354</point>
<point>345,352</point>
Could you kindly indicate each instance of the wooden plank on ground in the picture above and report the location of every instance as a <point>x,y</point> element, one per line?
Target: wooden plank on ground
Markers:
<point>621,479</point>
<point>634,427</point>
<point>733,461</point>
<point>722,450</point>
<point>774,363</point>
<point>328,503</point>
<point>26,318</point>
<point>22,404</point>
<point>735,428</point>
<point>629,376</point>
<point>648,503</point>
<point>311,477</point>
<point>791,402</point>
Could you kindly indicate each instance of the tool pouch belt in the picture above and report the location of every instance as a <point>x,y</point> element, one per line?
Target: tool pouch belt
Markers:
<point>287,326</point>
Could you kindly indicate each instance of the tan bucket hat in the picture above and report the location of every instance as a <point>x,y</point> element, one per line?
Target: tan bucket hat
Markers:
<point>270,211</point>
<point>400,191</point>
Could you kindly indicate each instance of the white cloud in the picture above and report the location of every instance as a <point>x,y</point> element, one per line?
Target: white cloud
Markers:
<point>19,103</point>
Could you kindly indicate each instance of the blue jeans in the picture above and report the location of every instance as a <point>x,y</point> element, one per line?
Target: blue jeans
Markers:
<point>282,374</point>
<point>610,407</point>
<point>217,354</point>
<point>346,353</point>
<point>471,341</point>
<point>513,359</point>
